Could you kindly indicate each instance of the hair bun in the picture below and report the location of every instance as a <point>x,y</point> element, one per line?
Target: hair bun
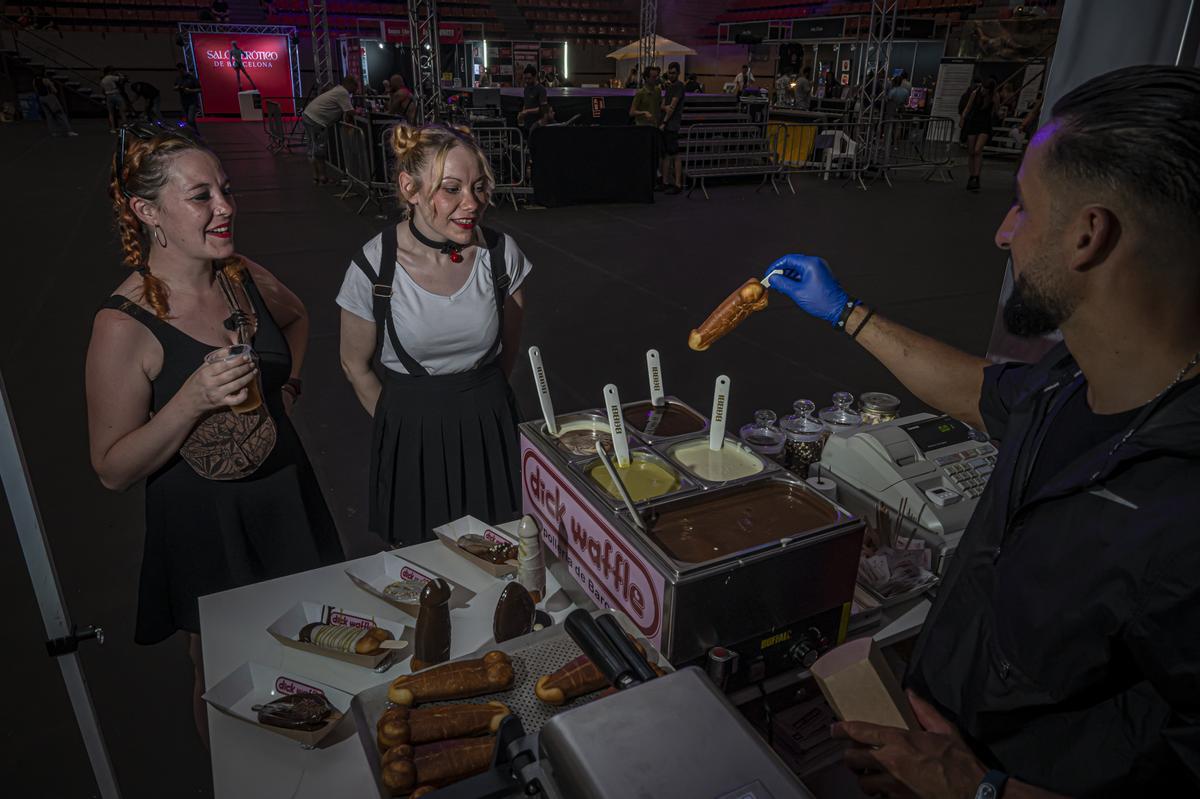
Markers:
<point>405,139</point>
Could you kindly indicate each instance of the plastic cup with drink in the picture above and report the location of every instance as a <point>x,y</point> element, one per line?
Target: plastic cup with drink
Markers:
<point>253,399</point>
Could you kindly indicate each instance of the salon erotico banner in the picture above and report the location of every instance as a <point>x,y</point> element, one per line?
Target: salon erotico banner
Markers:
<point>265,57</point>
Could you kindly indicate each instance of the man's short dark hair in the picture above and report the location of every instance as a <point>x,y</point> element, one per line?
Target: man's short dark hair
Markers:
<point>530,69</point>
<point>806,71</point>
<point>674,65</point>
<point>350,82</point>
<point>648,71</point>
<point>1136,131</point>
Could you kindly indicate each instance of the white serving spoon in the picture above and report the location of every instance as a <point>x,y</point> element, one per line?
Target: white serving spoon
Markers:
<point>543,390</point>
<point>720,408</point>
<point>616,425</point>
<point>654,372</point>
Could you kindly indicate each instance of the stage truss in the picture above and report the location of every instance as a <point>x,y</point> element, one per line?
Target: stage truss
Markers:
<point>873,149</point>
<point>318,23</point>
<point>189,57</point>
<point>647,36</point>
<point>426,59</point>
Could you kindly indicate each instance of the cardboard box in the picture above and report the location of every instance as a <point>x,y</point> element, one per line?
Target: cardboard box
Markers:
<point>286,630</point>
<point>859,685</point>
<point>255,684</point>
<point>376,573</point>
<point>450,533</point>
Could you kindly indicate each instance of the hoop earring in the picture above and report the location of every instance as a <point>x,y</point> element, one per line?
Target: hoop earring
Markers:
<point>160,237</point>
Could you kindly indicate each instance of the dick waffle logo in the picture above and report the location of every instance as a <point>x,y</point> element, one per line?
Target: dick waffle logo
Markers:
<point>600,560</point>
<point>409,573</point>
<point>343,619</point>
<point>284,685</point>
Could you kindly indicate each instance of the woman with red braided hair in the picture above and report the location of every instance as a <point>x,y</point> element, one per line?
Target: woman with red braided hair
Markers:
<point>231,498</point>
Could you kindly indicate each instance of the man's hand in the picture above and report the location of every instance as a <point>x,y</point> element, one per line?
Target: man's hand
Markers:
<point>807,281</point>
<point>931,764</point>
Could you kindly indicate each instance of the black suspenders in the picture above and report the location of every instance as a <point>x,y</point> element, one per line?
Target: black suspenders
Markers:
<point>381,293</point>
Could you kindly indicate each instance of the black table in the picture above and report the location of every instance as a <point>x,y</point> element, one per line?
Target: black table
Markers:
<point>576,164</point>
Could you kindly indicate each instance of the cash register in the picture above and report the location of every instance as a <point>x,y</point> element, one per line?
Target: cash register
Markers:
<point>935,467</point>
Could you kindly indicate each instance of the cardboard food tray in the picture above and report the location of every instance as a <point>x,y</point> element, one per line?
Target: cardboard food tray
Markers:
<point>374,574</point>
<point>449,534</point>
<point>253,684</point>
<point>533,655</point>
<point>286,630</point>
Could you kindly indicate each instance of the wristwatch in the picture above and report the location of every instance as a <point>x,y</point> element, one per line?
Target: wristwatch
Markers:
<point>992,785</point>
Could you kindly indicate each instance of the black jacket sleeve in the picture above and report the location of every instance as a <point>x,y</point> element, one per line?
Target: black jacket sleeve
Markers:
<point>1003,386</point>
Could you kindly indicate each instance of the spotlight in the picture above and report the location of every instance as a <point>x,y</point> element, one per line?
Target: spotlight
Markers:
<point>381,45</point>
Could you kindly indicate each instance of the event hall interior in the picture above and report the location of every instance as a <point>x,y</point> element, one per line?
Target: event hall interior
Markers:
<point>764,399</point>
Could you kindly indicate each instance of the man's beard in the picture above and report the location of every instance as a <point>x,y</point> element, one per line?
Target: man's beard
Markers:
<point>1031,311</point>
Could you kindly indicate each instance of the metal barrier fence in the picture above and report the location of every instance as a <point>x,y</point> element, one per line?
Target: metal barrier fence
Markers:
<point>507,155</point>
<point>715,150</point>
<point>355,163</point>
<point>841,148</point>
<point>276,137</point>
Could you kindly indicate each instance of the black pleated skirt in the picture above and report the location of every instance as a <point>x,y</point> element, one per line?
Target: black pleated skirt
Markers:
<point>443,446</point>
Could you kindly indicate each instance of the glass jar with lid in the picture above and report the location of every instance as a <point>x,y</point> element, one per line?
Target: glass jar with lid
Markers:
<point>763,435</point>
<point>840,416</point>
<point>876,407</point>
<point>803,437</point>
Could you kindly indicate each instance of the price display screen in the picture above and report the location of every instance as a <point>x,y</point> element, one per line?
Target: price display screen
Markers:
<point>932,434</point>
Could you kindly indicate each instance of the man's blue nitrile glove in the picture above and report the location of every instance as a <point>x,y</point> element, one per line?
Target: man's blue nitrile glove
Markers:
<point>807,281</point>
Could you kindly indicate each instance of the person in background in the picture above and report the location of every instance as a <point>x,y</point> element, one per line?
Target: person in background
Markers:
<point>151,101</point>
<point>189,94</point>
<point>534,103</point>
<point>803,90</point>
<point>646,110</point>
<point>50,99</point>
<point>325,110</point>
<point>904,81</point>
<point>897,98</point>
<point>783,89</point>
<point>450,327</point>
<point>219,10</point>
<point>632,81</point>
<point>1061,656</point>
<point>400,99</point>
<point>744,80</point>
<point>672,116</point>
<point>230,497</point>
<point>114,99</point>
<point>693,85</point>
<point>978,116</point>
<point>485,78</point>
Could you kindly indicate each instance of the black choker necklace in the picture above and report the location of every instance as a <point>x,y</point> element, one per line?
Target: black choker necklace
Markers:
<point>444,247</point>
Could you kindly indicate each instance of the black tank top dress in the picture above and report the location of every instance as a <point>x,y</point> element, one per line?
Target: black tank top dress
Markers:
<point>203,535</point>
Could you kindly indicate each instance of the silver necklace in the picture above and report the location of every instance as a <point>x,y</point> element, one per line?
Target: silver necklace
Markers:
<point>1133,428</point>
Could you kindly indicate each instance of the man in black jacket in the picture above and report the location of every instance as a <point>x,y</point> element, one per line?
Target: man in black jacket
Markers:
<point>1062,654</point>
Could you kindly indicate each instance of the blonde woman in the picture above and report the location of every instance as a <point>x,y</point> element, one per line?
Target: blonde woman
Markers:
<point>231,498</point>
<point>440,297</point>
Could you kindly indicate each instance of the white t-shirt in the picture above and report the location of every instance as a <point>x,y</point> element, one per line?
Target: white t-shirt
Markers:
<point>111,84</point>
<point>329,107</point>
<point>444,334</point>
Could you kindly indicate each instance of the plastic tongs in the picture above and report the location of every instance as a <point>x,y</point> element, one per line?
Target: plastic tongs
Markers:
<point>607,646</point>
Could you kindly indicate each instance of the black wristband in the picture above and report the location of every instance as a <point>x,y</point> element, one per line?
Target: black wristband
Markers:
<point>851,304</point>
<point>866,318</point>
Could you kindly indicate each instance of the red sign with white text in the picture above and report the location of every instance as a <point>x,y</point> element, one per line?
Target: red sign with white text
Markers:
<point>612,571</point>
<point>267,63</point>
<point>397,31</point>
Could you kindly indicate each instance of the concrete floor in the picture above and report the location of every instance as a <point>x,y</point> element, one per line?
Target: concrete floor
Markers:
<point>608,283</point>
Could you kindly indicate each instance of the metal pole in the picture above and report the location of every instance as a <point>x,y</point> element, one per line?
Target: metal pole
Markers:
<point>31,533</point>
<point>426,59</point>
<point>318,21</point>
<point>648,37</point>
<point>881,33</point>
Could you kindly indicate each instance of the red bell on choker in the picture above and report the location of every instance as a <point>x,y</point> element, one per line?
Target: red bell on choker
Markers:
<point>455,257</point>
